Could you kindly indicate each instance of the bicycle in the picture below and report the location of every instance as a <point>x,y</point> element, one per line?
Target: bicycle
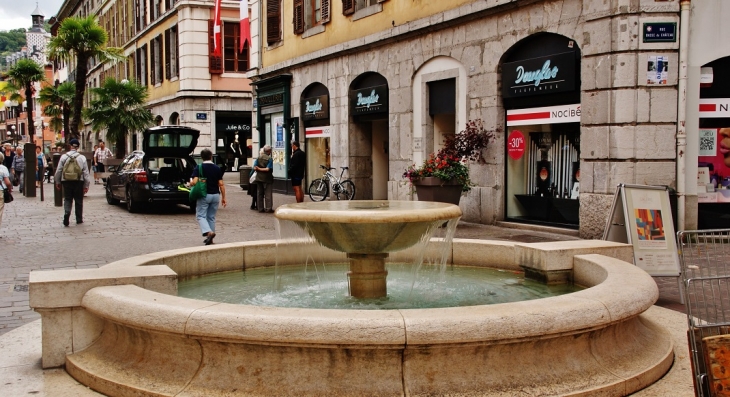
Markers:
<point>319,189</point>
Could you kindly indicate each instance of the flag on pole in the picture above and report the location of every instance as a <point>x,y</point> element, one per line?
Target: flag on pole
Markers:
<point>245,26</point>
<point>217,29</point>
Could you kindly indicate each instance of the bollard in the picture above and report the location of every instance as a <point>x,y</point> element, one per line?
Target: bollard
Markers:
<point>57,194</point>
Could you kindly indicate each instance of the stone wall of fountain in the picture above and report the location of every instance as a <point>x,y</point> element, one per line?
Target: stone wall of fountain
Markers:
<point>121,330</point>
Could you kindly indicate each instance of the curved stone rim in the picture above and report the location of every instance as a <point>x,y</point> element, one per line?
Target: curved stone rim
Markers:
<point>368,211</point>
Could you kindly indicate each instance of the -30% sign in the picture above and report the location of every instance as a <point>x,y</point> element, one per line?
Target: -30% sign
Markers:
<point>515,145</point>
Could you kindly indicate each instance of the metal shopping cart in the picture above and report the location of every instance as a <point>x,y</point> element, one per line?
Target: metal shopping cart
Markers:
<point>705,259</point>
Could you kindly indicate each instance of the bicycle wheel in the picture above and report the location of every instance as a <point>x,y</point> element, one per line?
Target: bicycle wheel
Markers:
<point>318,190</point>
<point>347,191</point>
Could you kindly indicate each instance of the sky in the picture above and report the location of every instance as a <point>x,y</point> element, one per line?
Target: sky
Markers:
<point>15,14</point>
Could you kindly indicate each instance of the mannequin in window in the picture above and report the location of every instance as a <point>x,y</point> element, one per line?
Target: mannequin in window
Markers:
<point>236,149</point>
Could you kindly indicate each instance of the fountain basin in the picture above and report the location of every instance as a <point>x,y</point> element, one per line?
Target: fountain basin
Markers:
<point>367,226</point>
<point>126,340</point>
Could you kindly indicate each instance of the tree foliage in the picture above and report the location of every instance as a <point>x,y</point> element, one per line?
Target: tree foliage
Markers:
<point>57,102</point>
<point>10,42</point>
<point>119,107</point>
<point>78,40</point>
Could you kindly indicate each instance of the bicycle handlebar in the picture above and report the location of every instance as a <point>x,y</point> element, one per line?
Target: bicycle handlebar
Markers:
<point>331,168</point>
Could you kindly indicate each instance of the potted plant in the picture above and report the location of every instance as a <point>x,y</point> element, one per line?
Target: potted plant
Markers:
<point>444,175</point>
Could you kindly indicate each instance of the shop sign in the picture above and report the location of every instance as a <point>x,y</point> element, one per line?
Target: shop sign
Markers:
<point>270,99</point>
<point>544,115</point>
<point>537,76</point>
<point>369,100</point>
<point>318,132</point>
<point>516,145</point>
<point>660,32</point>
<point>316,108</point>
<point>237,127</point>
<point>714,108</point>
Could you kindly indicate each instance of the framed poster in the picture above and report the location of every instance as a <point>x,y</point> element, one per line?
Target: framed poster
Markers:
<point>642,216</point>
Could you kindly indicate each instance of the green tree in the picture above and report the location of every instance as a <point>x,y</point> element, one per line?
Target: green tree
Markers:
<point>24,74</point>
<point>80,39</point>
<point>119,107</point>
<point>57,101</point>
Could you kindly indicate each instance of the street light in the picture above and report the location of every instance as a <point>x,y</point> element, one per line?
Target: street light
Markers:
<point>14,128</point>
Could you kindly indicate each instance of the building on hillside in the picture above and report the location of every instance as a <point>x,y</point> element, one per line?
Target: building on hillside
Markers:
<point>168,45</point>
<point>14,125</point>
<point>567,86</point>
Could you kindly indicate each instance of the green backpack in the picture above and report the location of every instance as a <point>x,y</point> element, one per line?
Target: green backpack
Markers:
<point>72,169</point>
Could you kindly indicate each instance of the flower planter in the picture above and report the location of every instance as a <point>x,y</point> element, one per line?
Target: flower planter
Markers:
<point>435,189</point>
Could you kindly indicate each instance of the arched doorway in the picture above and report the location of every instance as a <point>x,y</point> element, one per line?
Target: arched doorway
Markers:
<point>541,93</point>
<point>175,118</point>
<point>369,140</point>
<point>315,116</point>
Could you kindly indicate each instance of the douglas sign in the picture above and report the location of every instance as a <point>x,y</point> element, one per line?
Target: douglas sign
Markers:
<point>543,75</point>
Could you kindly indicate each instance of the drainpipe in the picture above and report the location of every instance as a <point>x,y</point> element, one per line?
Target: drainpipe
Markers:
<point>682,112</point>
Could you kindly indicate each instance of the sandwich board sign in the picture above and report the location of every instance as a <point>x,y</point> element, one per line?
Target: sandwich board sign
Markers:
<point>642,216</point>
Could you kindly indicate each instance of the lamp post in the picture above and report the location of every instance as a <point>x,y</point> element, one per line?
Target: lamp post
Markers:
<point>15,128</point>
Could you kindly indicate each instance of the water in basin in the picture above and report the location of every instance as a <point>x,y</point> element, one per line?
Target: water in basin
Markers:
<point>327,288</point>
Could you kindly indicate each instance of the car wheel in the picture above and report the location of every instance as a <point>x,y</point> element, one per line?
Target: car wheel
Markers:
<point>109,198</point>
<point>132,206</point>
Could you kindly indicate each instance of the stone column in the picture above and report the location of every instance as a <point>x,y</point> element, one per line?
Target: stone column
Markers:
<point>367,275</point>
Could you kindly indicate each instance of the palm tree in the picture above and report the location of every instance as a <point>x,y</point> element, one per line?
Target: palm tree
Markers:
<point>24,74</point>
<point>119,107</point>
<point>81,39</point>
<point>57,101</point>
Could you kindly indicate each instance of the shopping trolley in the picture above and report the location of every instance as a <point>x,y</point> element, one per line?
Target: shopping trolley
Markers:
<point>705,259</point>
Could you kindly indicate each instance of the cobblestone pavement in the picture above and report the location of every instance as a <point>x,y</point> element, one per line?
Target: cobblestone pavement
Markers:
<point>33,238</point>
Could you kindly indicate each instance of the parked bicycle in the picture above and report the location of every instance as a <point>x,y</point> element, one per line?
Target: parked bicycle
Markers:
<point>319,189</point>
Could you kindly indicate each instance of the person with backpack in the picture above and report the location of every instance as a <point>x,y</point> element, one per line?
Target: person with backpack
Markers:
<point>73,173</point>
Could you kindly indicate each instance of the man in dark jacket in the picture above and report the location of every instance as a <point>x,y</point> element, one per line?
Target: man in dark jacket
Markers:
<point>297,164</point>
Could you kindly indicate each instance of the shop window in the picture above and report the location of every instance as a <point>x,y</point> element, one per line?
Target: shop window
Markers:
<point>543,173</point>
<point>233,59</point>
<point>310,13</point>
<point>273,21</point>
<point>171,53</point>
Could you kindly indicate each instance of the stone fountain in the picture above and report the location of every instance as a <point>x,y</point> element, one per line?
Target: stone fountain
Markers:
<point>367,231</point>
<point>122,330</point>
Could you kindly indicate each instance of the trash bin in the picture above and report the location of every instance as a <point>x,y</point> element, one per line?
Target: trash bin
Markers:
<point>245,173</point>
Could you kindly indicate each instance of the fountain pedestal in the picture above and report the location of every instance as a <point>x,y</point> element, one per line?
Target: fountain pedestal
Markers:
<point>367,275</point>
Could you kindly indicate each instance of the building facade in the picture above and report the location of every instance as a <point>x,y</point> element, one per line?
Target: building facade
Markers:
<point>168,47</point>
<point>580,95</point>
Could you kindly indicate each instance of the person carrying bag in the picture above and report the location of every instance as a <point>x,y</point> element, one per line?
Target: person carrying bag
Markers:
<point>6,186</point>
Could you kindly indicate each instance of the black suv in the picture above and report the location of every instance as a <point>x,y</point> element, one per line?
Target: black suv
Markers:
<point>154,174</point>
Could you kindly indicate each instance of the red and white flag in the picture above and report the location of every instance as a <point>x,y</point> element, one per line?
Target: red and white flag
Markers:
<point>245,25</point>
<point>217,29</point>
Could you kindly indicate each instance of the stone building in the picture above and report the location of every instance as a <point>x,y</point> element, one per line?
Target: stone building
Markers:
<point>168,45</point>
<point>589,93</point>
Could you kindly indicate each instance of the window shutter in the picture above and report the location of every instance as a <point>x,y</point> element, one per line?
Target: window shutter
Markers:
<point>153,63</point>
<point>273,21</point>
<point>298,16</point>
<point>167,53</point>
<point>325,11</point>
<point>348,7</point>
<point>177,52</point>
<point>215,63</point>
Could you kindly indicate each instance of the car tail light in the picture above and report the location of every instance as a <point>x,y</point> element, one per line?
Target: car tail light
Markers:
<point>140,177</point>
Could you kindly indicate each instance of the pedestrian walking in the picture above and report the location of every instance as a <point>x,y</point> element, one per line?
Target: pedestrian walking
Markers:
<point>9,155</point>
<point>40,166</point>
<point>100,155</point>
<point>18,168</point>
<point>73,173</point>
<point>206,207</point>
<point>297,164</point>
<point>264,167</point>
<point>93,164</point>
<point>5,184</point>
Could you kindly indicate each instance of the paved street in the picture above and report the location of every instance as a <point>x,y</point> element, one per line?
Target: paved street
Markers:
<point>33,238</point>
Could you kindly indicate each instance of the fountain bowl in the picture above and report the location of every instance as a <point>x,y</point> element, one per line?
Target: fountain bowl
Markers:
<point>121,330</point>
<point>367,226</point>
